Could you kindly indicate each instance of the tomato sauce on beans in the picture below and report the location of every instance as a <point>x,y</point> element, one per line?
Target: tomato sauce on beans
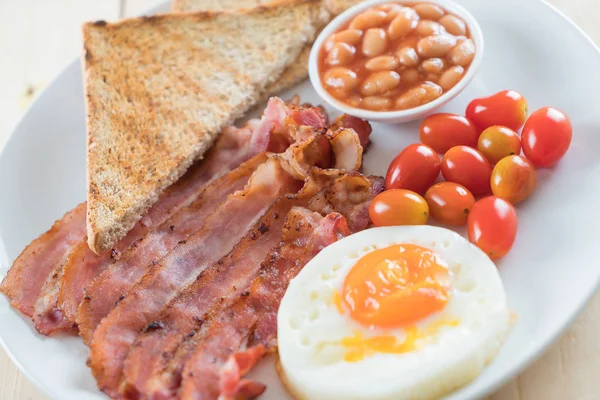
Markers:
<point>396,56</point>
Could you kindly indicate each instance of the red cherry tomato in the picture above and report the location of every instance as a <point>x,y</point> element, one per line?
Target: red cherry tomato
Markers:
<point>492,226</point>
<point>468,167</point>
<point>513,179</point>
<point>507,108</point>
<point>546,136</point>
<point>443,131</point>
<point>497,142</point>
<point>398,207</point>
<point>415,168</point>
<point>449,203</point>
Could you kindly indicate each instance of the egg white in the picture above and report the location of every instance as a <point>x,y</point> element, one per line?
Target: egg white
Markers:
<point>310,326</point>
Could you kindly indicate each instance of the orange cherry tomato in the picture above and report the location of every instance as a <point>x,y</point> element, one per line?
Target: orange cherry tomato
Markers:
<point>492,226</point>
<point>443,131</point>
<point>468,167</point>
<point>546,136</point>
<point>497,142</point>
<point>415,168</point>
<point>513,179</point>
<point>507,108</point>
<point>449,203</point>
<point>398,207</point>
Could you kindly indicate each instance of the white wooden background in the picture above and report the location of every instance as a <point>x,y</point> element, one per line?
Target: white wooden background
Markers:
<point>39,37</point>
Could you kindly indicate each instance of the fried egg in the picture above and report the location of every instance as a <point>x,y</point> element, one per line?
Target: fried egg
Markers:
<point>407,312</point>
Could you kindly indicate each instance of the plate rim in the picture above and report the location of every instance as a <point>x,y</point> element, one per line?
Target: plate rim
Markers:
<point>537,348</point>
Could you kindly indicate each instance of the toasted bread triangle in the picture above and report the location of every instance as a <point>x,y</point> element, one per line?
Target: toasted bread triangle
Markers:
<point>159,90</point>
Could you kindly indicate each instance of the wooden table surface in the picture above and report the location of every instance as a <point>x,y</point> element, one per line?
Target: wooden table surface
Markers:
<point>38,38</point>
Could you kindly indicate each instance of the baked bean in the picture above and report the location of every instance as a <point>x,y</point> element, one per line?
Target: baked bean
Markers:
<point>341,78</point>
<point>391,10</point>
<point>368,19</point>
<point>382,63</point>
<point>429,11</point>
<point>374,42</point>
<point>349,36</point>
<point>405,21</point>
<point>432,77</point>
<point>377,103</point>
<point>379,83</point>
<point>410,76</point>
<point>462,54</point>
<point>432,65</point>
<point>408,57</point>
<point>340,54</point>
<point>454,25</point>
<point>435,46</point>
<point>426,28</point>
<point>422,94</point>
<point>451,77</point>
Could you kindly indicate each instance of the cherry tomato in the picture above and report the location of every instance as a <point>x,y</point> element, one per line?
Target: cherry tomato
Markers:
<point>468,167</point>
<point>513,179</point>
<point>507,108</point>
<point>497,142</point>
<point>415,168</point>
<point>443,131</point>
<point>449,203</point>
<point>398,207</point>
<point>492,226</point>
<point>546,136</point>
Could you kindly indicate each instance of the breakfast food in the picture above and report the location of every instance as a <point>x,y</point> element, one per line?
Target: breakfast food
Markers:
<point>513,179</point>
<point>355,322</point>
<point>468,167</point>
<point>163,124</point>
<point>449,203</point>
<point>443,131</point>
<point>394,56</point>
<point>497,142</point>
<point>492,226</point>
<point>546,136</point>
<point>415,168</point>
<point>507,108</point>
<point>399,207</point>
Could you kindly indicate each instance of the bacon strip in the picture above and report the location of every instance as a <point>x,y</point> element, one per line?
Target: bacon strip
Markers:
<point>362,128</point>
<point>103,293</point>
<point>25,279</point>
<point>350,195</point>
<point>306,233</point>
<point>231,384</point>
<point>314,117</point>
<point>346,147</point>
<point>213,291</point>
<point>222,230</point>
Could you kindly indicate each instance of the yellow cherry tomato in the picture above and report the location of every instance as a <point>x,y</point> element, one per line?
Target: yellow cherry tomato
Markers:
<point>513,179</point>
<point>398,207</point>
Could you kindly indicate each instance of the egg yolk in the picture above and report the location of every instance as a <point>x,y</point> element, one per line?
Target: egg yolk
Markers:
<point>396,286</point>
<point>359,347</point>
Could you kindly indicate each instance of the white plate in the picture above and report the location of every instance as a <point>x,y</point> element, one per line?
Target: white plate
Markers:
<point>549,274</point>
